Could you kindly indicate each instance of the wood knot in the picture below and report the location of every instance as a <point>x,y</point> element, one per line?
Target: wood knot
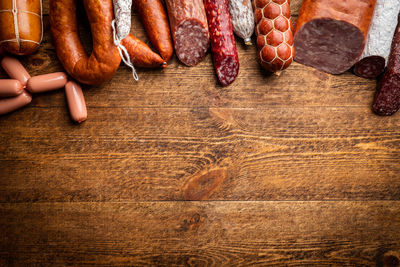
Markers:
<point>321,75</point>
<point>37,61</point>
<point>202,185</point>
<point>192,224</point>
<point>391,259</point>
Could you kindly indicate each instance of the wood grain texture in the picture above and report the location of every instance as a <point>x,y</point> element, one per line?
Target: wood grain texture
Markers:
<point>200,233</point>
<point>152,154</point>
<point>290,170</point>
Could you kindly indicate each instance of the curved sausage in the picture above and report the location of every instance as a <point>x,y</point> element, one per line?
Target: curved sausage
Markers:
<point>13,103</point>
<point>15,69</point>
<point>76,101</point>
<point>330,35</point>
<point>274,34</point>
<point>21,26</point>
<point>140,54</point>
<point>189,29</point>
<point>104,60</point>
<point>46,82</point>
<point>387,98</point>
<point>10,87</point>
<point>226,61</point>
<point>377,49</point>
<point>155,21</point>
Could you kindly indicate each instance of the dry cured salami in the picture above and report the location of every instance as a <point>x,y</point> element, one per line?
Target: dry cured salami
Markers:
<point>242,19</point>
<point>226,61</point>
<point>387,98</point>
<point>189,30</point>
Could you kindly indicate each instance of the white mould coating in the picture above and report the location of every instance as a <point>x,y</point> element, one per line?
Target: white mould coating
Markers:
<point>381,31</point>
<point>122,11</point>
<point>242,18</point>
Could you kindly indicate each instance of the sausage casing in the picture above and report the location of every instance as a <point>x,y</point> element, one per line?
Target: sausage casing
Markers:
<point>15,70</point>
<point>76,101</point>
<point>46,82</point>
<point>21,27</point>
<point>10,104</point>
<point>104,60</point>
<point>10,87</point>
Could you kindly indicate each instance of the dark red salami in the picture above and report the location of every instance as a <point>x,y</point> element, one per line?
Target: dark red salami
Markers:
<point>189,30</point>
<point>387,98</point>
<point>370,67</point>
<point>226,61</point>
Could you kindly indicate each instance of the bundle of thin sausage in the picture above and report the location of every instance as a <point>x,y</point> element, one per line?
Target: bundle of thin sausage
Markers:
<point>16,92</point>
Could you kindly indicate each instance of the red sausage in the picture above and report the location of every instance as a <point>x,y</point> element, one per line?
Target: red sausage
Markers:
<point>76,101</point>
<point>387,98</point>
<point>10,87</point>
<point>13,103</point>
<point>15,70</point>
<point>47,82</point>
<point>226,61</point>
<point>189,30</point>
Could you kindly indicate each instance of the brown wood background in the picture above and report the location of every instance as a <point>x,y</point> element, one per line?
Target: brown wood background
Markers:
<point>293,170</point>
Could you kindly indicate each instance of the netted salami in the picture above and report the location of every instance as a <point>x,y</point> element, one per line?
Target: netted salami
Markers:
<point>274,32</point>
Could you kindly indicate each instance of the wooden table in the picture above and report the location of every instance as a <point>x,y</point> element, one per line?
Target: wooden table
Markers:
<point>292,170</point>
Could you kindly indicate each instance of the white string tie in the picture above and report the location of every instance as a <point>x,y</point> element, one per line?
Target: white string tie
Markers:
<point>123,52</point>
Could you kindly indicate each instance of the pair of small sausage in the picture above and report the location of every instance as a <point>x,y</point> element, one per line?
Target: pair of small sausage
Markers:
<point>13,89</point>
<point>37,84</point>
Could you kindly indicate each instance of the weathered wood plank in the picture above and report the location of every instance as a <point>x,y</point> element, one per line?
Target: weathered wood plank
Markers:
<point>199,233</point>
<point>152,154</point>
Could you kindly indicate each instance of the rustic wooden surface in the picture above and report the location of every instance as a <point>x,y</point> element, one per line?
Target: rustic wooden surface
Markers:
<point>293,170</point>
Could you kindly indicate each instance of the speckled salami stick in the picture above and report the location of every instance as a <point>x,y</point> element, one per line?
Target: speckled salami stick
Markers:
<point>226,61</point>
<point>122,27</point>
<point>379,39</point>
<point>242,19</point>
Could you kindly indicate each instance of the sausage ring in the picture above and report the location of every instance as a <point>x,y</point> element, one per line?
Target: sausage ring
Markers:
<point>104,60</point>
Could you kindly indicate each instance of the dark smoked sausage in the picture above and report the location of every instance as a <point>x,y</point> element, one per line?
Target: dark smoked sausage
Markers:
<point>330,35</point>
<point>226,61</point>
<point>387,98</point>
<point>104,60</point>
<point>155,21</point>
<point>189,30</point>
<point>140,54</point>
